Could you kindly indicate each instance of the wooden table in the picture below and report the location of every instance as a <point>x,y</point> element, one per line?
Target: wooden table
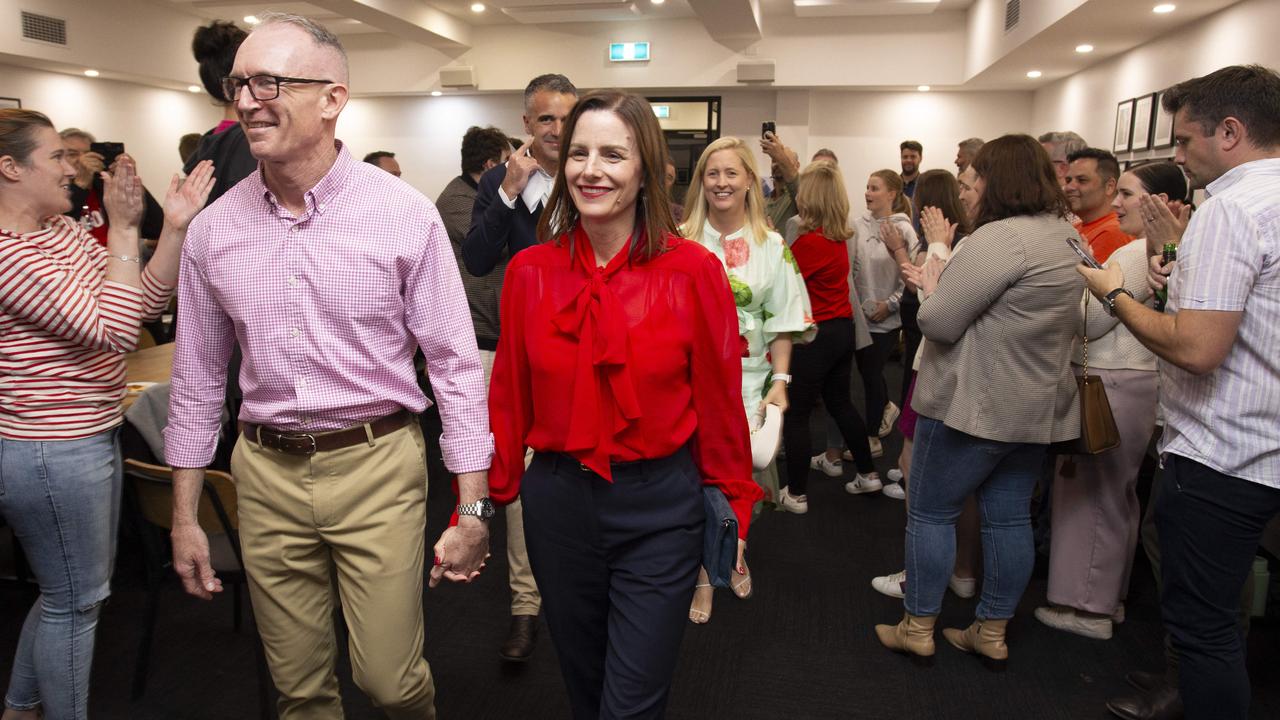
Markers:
<point>154,364</point>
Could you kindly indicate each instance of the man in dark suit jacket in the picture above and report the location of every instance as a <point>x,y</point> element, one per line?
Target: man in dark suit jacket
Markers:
<point>510,198</point>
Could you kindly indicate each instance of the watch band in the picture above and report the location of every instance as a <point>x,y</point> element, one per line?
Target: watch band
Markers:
<point>1111,299</point>
<point>784,377</point>
<point>482,508</point>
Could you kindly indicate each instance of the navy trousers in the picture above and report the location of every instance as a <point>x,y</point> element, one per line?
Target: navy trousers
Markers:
<point>616,564</point>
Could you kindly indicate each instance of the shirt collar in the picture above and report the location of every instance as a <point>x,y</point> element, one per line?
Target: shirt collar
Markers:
<point>712,235</point>
<point>537,189</point>
<point>1237,173</point>
<point>324,191</point>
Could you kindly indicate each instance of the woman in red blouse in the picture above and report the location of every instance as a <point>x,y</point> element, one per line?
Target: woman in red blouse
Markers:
<point>822,368</point>
<point>69,310</point>
<point>619,365</point>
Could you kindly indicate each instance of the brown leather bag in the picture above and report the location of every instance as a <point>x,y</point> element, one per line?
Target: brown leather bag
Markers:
<point>1098,431</point>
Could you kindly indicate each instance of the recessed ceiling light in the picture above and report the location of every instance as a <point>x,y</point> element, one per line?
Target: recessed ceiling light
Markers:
<point>923,88</point>
<point>193,88</point>
<point>1163,8</point>
<point>91,73</point>
<point>1085,48</point>
<point>1034,74</point>
<point>477,7</point>
<point>252,19</point>
<point>657,2</point>
<point>436,93</point>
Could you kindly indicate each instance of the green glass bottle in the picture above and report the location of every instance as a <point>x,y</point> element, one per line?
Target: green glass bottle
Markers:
<point>1169,255</point>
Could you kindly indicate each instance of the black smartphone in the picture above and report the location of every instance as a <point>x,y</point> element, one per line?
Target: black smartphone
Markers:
<point>108,150</point>
<point>768,127</point>
<point>1084,254</point>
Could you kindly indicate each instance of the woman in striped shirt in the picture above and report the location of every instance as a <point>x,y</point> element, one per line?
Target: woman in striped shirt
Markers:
<point>69,311</point>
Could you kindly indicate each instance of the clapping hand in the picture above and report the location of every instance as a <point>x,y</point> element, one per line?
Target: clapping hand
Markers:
<point>937,229</point>
<point>891,236</point>
<point>520,167</point>
<point>1163,221</point>
<point>185,198</point>
<point>122,193</point>
<point>926,276</point>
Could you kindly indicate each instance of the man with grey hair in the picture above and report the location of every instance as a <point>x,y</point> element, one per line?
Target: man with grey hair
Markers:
<point>966,151</point>
<point>329,273</point>
<point>510,198</point>
<point>1059,145</point>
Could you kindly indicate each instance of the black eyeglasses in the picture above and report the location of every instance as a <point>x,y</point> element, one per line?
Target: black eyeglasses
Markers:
<point>261,87</point>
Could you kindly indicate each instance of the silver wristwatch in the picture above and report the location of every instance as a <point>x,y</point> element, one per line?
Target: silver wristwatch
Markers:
<point>482,508</point>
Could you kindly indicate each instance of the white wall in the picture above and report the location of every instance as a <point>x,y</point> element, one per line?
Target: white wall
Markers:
<point>863,128</point>
<point>1086,102</point>
<point>149,121</point>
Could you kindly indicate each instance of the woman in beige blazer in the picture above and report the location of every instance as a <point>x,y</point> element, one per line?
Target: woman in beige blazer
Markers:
<point>994,389</point>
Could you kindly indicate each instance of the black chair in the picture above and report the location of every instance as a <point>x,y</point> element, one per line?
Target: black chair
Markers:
<point>151,494</point>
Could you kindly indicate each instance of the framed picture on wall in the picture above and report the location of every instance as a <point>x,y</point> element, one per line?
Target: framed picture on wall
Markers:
<point>1162,135</point>
<point>1124,126</point>
<point>1143,114</point>
<point>10,103</point>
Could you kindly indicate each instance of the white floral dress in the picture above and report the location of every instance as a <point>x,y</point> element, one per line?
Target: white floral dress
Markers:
<point>771,298</point>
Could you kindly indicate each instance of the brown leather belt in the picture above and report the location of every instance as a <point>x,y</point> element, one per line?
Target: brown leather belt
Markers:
<point>302,443</point>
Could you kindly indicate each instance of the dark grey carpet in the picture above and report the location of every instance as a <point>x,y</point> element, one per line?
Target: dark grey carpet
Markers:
<point>803,647</point>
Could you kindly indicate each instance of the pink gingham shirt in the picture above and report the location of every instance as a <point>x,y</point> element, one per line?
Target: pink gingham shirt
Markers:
<point>328,309</point>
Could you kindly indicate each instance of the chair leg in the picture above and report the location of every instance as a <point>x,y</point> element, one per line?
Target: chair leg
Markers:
<point>144,644</point>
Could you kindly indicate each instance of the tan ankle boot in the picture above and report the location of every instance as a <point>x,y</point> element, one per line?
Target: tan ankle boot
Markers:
<point>913,635</point>
<point>983,637</point>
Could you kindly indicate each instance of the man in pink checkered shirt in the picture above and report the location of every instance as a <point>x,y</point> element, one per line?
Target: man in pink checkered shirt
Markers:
<point>330,274</point>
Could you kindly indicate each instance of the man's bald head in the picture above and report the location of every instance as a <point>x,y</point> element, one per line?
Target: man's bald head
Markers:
<point>330,60</point>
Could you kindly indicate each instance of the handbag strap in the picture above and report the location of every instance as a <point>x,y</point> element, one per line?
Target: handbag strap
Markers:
<point>1084,333</point>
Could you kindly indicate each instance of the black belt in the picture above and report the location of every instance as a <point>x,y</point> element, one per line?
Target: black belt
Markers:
<point>293,442</point>
<point>487,344</point>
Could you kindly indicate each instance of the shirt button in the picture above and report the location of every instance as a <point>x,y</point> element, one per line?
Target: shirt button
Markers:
<point>294,229</point>
<point>302,382</point>
<point>293,281</point>
<point>294,332</point>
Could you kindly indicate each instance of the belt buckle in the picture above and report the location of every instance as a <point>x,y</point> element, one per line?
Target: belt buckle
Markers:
<point>291,437</point>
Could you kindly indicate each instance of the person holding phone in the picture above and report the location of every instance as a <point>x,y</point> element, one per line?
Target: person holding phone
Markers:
<point>1095,507</point>
<point>87,190</point>
<point>994,389</point>
<point>780,204</point>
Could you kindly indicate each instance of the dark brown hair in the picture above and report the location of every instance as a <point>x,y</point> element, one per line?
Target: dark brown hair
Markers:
<point>17,132</point>
<point>1019,178</point>
<point>653,207</point>
<point>1249,93</point>
<point>1162,176</point>
<point>938,188</point>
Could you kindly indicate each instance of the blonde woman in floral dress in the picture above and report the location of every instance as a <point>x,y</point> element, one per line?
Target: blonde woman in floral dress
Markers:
<point>724,211</point>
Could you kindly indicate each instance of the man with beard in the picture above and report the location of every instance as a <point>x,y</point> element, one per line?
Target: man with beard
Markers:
<point>1090,187</point>
<point>911,153</point>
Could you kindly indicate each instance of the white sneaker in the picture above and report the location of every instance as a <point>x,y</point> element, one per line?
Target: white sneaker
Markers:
<point>894,475</point>
<point>877,450</point>
<point>892,585</point>
<point>895,491</point>
<point>798,504</point>
<point>964,587</point>
<point>1117,617</point>
<point>828,467</point>
<point>1065,618</point>
<point>860,484</point>
<point>891,413</point>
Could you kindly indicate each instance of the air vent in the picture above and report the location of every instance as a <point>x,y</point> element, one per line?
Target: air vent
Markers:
<point>1012,14</point>
<point>43,28</point>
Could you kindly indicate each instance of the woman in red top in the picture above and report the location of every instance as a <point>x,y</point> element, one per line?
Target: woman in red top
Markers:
<point>619,365</point>
<point>821,369</point>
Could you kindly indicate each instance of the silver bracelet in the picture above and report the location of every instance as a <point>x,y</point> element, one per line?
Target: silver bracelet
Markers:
<point>127,258</point>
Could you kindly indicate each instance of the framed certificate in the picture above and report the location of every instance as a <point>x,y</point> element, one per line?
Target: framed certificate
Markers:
<point>1124,126</point>
<point>1143,115</point>
<point>1162,134</point>
<point>7,102</point>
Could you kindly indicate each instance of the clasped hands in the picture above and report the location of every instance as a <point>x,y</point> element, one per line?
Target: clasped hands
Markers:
<point>461,552</point>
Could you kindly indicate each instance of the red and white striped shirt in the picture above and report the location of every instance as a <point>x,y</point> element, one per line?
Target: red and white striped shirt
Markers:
<point>64,330</point>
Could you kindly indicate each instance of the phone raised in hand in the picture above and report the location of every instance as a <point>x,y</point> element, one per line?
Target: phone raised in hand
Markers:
<point>1085,257</point>
<point>108,150</point>
<point>768,127</point>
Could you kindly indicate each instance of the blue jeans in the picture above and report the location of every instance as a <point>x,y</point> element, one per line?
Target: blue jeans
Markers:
<point>62,499</point>
<point>946,467</point>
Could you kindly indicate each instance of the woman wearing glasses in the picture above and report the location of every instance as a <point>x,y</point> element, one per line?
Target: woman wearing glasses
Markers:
<point>69,310</point>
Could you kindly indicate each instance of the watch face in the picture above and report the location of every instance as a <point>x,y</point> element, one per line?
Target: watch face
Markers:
<point>486,508</point>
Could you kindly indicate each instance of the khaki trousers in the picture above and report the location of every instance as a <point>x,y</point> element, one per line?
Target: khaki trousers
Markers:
<point>525,599</point>
<point>357,515</point>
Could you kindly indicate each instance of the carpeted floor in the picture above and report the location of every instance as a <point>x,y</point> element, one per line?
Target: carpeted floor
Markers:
<point>802,648</point>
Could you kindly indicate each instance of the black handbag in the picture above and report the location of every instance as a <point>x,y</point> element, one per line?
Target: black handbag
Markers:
<point>720,536</point>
